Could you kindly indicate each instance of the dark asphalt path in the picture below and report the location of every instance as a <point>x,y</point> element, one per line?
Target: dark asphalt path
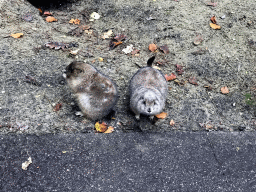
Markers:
<point>215,161</point>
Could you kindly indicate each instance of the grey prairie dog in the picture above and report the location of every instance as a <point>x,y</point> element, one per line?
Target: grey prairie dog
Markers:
<point>95,93</point>
<point>148,91</point>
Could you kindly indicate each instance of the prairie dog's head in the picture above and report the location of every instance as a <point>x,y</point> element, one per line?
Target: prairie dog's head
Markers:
<point>149,103</point>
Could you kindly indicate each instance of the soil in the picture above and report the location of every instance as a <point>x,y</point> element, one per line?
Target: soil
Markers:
<point>31,74</point>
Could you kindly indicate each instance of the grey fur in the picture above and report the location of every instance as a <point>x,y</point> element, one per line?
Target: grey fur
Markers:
<point>95,93</point>
<point>148,91</point>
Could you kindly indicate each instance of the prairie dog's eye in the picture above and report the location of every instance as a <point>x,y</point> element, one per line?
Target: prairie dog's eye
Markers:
<point>144,102</point>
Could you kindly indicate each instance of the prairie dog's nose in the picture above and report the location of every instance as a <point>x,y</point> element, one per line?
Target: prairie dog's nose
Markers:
<point>149,110</point>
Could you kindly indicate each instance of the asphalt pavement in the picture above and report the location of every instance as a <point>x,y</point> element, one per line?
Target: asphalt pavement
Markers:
<point>175,161</point>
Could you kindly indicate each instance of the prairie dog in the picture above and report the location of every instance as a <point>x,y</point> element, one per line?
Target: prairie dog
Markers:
<point>95,93</point>
<point>148,91</point>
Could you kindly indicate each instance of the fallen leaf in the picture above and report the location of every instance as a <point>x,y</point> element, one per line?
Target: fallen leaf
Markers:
<point>170,77</point>
<point>120,37</point>
<point>109,130</point>
<point>214,26</point>
<point>107,34</point>
<point>40,10</point>
<point>172,122</point>
<point>164,48</point>
<point>179,69</point>
<point>47,13</point>
<point>192,80</point>
<point>94,15</point>
<point>75,21</point>
<point>101,127</point>
<point>25,165</point>
<point>161,115</point>
<point>84,27</point>
<point>224,90</point>
<point>17,35</point>
<point>50,19</point>
<point>152,47</point>
<point>113,44</point>
<point>74,52</point>
<point>57,107</point>
<point>89,32</point>
<point>156,67</point>
<point>100,59</point>
<point>128,49</point>
<point>213,19</point>
<point>198,40</point>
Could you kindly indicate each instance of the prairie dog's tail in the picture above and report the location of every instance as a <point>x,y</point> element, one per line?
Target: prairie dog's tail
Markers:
<point>150,61</point>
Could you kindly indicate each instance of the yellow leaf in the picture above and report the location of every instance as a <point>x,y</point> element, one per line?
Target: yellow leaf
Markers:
<point>75,21</point>
<point>109,130</point>
<point>50,19</point>
<point>161,115</point>
<point>101,59</point>
<point>101,127</point>
<point>17,35</point>
<point>214,26</point>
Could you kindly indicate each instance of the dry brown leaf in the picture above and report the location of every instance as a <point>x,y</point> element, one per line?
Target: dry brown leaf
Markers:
<point>50,19</point>
<point>161,115</point>
<point>109,130</point>
<point>164,48</point>
<point>75,21</point>
<point>40,10</point>
<point>179,69</point>
<point>192,80</point>
<point>214,26</point>
<point>101,127</point>
<point>213,19</point>
<point>224,90</point>
<point>172,122</point>
<point>57,107</point>
<point>170,77</point>
<point>152,47</point>
<point>17,35</point>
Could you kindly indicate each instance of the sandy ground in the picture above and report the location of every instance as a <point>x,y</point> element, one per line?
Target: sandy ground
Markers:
<point>226,57</point>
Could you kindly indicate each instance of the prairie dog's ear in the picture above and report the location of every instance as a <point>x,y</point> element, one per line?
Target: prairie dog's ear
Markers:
<point>150,61</point>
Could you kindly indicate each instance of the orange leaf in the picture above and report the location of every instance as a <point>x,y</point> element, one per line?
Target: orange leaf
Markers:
<point>50,19</point>
<point>40,10</point>
<point>109,130</point>
<point>214,26</point>
<point>213,19</point>
<point>224,90</point>
<point>75,21</point>
<point>172,122</point>
<point>170,77</point>
<point>118,43</point>
<point>17,35</point>
<point>101,127</point>
<point>152,47</point>
<point>161,115</point>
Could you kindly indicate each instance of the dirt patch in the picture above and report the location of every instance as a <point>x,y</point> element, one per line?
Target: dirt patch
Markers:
<point>225,57</point>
